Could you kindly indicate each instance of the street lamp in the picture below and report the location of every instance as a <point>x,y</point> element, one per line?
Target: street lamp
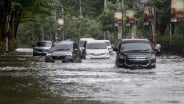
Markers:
<point>131,21</point>
<point>177,10</point>
<point>61,26</point>
<point>118,23</point>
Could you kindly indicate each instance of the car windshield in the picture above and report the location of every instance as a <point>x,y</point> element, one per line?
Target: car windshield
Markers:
<point>96,46</point>
<point>44,44</point>
<point>137,46</point>
<point>62,47</point>
<point>108,43</point>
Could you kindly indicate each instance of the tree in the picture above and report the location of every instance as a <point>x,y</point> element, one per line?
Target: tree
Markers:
<point>13,11</point>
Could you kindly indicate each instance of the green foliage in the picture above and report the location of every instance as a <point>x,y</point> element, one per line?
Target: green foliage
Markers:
<point>173,39</point>
<point>76,27</point>
<point>38,15</point>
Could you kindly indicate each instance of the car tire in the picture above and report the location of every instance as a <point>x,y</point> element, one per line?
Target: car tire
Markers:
<point>117,63</point>
<point>78,60</point>
<point>49,59</point>
<point>154,66</point>
<point>151,67</point>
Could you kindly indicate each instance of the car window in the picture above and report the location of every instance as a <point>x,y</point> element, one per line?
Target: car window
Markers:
<point>137,46</point>
<point>108,43</point>
<point>62,47</point>
<point>44,44</point>
<point>75,46</point>
<point>96,46</point>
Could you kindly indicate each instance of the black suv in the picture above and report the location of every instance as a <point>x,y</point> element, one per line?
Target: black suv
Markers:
<point>135,53</point>
<point>66,51</point>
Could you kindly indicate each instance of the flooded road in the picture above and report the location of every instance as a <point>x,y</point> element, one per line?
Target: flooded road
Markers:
<point>93,82</point>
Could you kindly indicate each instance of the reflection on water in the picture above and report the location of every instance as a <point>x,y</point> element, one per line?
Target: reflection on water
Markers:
<point>91,82</point>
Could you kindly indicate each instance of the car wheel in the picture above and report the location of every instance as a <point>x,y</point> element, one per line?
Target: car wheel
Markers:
<point>49,59</point>
<point>71,60</point>
<point>78,60</point>
<point>151,67</point>
<point>117,63</point>
<point>154,66</point>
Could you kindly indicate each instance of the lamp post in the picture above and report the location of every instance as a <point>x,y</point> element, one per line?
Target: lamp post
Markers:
<point>131,21</point>
<point>118,23</point>
<point>61,22</point>
<point>118,19</point>
<point>150,19</point>
<point>61,26</point>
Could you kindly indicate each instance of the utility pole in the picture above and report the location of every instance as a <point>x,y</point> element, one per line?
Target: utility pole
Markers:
<point>105,5</point>
<point>134,27</point>
<point>153,23</point>
<point>119,25</point>
<point>105,9</point>
<point>122,18</point>
<point>63,36</point>
<point>80,17</point>
<point>80,7</point>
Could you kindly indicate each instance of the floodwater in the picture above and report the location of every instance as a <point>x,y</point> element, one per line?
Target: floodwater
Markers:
<point>93,82</point>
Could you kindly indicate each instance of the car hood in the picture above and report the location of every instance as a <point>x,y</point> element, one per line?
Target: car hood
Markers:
<point>136,54</point>
<point>109,47</point>
<point>45,48</point>
<point>61,53</point>
<point>97,51</point>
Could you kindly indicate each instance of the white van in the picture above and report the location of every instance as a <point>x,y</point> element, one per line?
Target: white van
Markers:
<point>97,49</point>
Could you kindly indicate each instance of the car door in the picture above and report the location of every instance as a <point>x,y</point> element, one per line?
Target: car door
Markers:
<point>76,51</point>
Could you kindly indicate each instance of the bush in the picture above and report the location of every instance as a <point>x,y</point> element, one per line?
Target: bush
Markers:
<point>172,40</point>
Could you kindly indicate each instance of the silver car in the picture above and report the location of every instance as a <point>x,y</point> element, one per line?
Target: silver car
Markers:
<point>42,48</point>
<point>66,51</point>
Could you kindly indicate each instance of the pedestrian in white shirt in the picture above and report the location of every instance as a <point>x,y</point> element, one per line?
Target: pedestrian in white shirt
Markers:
<point>158,49</point>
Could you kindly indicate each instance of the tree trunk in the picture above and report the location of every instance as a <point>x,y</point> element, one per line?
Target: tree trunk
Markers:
<point>14,22</point>
<point>2,26</point>
<point>3,14</point>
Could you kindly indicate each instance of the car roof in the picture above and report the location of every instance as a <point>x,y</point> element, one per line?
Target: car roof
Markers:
<point>95,41</point>
<point>66,42</point>
<point>83,39</point>
<point>106,40</point>
<point>136,40</point>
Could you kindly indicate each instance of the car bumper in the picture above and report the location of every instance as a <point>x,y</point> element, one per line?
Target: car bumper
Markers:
<point>137,63</point>
<point>40,53</point>
<point>63,58</point>
<point>97,56</point>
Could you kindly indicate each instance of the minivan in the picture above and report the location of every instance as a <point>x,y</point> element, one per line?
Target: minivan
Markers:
<point>97,49</point>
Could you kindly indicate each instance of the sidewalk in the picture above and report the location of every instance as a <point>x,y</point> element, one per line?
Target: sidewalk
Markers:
<point>22,57</point>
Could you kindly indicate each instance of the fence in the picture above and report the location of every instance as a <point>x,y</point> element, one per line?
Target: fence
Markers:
<point>169,49</point>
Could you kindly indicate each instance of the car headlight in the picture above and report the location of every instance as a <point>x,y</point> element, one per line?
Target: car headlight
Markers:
<point>69,54</point>
<point>106,54</point>
<point>48,54</point>
<point>152,56</point>
<point>121,56</point>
